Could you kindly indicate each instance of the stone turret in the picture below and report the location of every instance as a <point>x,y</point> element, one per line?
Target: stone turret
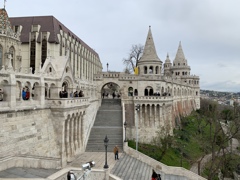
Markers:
<point>180,66</point>
<point>149,63</point>
<point>167,67</point>
<point>9,47</point>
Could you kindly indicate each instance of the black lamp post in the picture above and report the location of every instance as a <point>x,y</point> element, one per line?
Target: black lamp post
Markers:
<point>107,67</point>
<point>125,126</point>
<point>106,144</point>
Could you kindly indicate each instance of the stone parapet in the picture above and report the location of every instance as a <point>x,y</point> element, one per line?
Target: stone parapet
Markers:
<point>68,102</point>
<point>29,162</point>
<point>178,171</point>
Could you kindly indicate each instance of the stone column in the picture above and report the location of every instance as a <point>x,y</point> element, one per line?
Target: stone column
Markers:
<point>67,139</point>
<point>150,116</point>
<point>146,116</point>
<point>155,116</point>
<point>75,132</point>
<point>140,116</point>
<point>72,135</point>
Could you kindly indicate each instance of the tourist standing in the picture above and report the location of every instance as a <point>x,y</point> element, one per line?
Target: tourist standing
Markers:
<point>116,151</point>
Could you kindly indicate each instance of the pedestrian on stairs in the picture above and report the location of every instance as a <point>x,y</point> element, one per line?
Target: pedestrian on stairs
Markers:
<point>116,151</point>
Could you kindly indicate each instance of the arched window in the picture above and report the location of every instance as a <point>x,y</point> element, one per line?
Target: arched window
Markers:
<point>146,92</point>
<point>32,54</point>
<point>12,52</point>
<point>150,92</point>
<point>44,51</point>
<point>145,69</point>
<point>150,70</point>
<point>130,91</point>
<point>157,70</point>
<point>135,92</point>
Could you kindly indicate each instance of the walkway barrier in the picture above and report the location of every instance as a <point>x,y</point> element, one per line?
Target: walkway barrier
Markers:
<point>178,171</point>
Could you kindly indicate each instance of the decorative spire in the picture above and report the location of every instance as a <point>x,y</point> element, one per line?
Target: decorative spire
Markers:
<point>167,59</point>
<point>5,3</point>
<point>149,52</point>
<point>180,55</point>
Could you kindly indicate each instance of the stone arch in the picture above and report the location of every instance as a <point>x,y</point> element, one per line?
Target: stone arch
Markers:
<point>110,88</point>
<point>148,91</point>
<point>26,91</point>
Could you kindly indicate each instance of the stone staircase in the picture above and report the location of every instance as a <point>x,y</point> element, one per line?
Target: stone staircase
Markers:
<point>130,168</point>
<point>108,122</point>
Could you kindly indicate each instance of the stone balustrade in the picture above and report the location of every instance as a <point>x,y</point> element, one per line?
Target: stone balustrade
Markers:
<point>69,102</point>
<point>178,171</point>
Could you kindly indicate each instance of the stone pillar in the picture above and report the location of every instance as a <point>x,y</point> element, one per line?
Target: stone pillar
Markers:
<point>160,116</point>
<point>67,143</point>
<point>155,116</point>
<point>71,134</point>
<point>140,116</point>
<point>150,116</point>
<point>75,133</point>
<point>9,91</point>
<point>146,116</point>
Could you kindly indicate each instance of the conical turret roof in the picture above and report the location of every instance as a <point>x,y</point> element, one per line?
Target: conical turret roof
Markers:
<point>180,55</point>
<point>149,52</point>
<point>5,23</point>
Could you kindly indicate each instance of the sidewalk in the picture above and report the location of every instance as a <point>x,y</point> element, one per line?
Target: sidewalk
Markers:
<point>97,157</point>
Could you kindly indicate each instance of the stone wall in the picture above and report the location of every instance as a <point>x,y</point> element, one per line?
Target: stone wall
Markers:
<point>27,132</point>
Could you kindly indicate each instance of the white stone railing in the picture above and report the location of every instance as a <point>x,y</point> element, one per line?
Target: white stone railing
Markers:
<point>178,171</point>
<point>68,102</point>
<point>153,98</point>
<point>4,32</point>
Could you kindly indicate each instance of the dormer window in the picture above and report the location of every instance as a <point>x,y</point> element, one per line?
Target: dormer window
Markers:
<point>50,69</point>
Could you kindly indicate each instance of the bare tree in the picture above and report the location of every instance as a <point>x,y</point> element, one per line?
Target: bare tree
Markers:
<point>133,58</point>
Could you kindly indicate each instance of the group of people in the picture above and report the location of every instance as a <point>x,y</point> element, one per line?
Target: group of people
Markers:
<point>63,94</point>
<point>76,94</point>
<point>25,93</point>
<point>113,95</point>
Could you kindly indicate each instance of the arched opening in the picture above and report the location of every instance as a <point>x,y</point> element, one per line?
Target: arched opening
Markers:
<point>46,90</point>
<point>32,54</point>
<point>64,92</point>
<point>44,51</point>
<point>26,91</point>
<point>130,91</point>
<point>111,90</point>
<point>145,69</point>
<point>146,92</point>
<point>150,70</point>
<point>135,92</point>
<point>157,70</point>
<point>12,52</point>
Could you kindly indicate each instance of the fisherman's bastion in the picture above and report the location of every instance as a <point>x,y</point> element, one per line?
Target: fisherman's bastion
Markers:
<point>42,65</point>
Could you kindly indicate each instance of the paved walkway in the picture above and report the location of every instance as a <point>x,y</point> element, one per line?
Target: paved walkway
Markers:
<point>97,157</point>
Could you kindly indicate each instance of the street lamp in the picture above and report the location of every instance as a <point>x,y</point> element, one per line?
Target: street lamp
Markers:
<point>137,107</point>
<point>106,144</point>
<point>107,67</point>
<point>125,126</point>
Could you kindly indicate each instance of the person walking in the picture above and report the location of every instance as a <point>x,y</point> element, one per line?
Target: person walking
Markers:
<point>116,151</point>
<point>71,176</point>
<point>154,175</point>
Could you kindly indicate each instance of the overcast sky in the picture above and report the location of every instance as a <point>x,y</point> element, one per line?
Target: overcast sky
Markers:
<point>209,31</point>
